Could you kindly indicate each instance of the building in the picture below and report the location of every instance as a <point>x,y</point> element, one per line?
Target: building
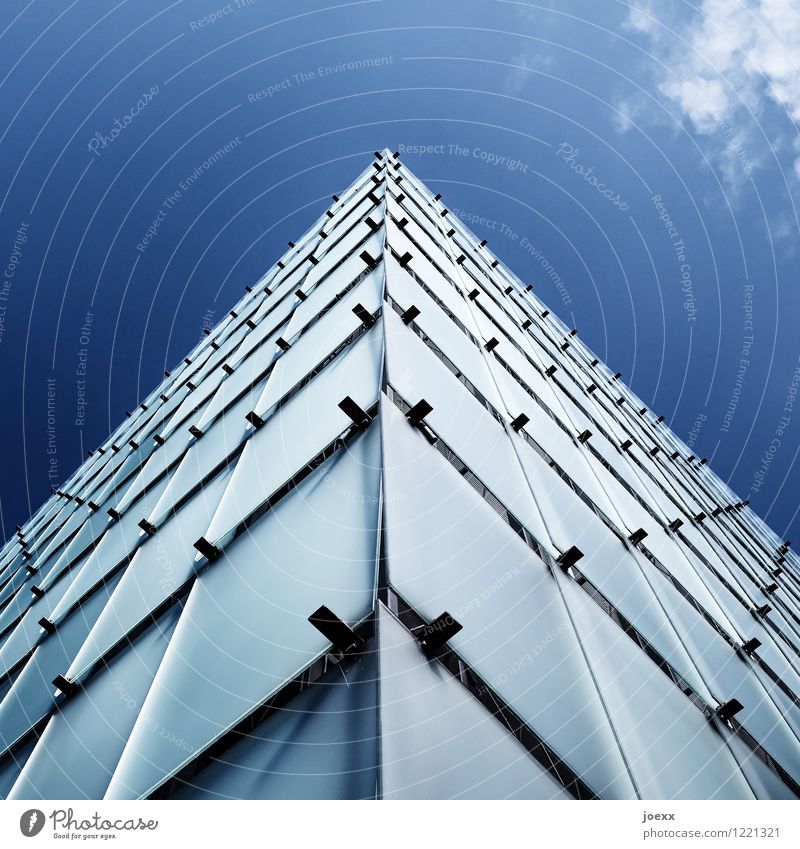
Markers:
<point>391,530</point>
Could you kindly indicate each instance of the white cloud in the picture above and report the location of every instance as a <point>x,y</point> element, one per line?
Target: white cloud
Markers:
<point>642,17</point>
<point>731,62</point>
<point>522,64</point>
<point>705,102</point>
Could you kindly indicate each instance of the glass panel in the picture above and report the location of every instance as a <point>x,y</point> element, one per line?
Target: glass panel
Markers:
<point>309,422</point>
<point>31,697</point>
<point>203,352</point>
<point>665,483</point>
<point>175,394</point>
<point>10,767</point>
<point>244,630</point>
<point>314,346</point>
<point>88,472</point>
<point>344,218</point>
<point>671,747</point>
<point>266,327</point>
<point>729,675</point>
<point>94,486</point>
<point>78,752</point>
<point>118,483</point>
<point>13,609</point>
<point>12,558</point>
<point>11,601</point>
<point>31,606</point>
<point>345,243</point>
<point>555,400</point>
<point>435,323</point>
<point>329,286</point>
<point>552,439</point>
<point>20,641</point>
<point>12,587</point>
<point>492,303</point>
<point>774,652</point>
<point>120,540</point>
<point>300,269</point>
<point>781,619</point>
<point>244,376</point>
<point>437,739</point>
<point>437,247</point>
<point>625,469</point>
<point>24,635</point>
<point>714,556</point>
<point>423,268</point>
<point>195,403</point>
<point>322,745</point>
<point>364,185</point>
<point>229,345</point>
<point>203,456</point>
<point>8,586</point>
<point>487,329</point>
<point>765,783</point>
<point>321,296</point>
<point>682,564</point>
<point>607,563</point>
<point>158,568</point>
<point>88,535</point>
<point>43,516</point>
<point>47,571</point>
<point>56,543</point>
<point>159,462</point>
<point>461,421</point>
<point>448,550</point>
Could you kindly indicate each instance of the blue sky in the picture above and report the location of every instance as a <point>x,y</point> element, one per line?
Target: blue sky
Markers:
<point>637,162</point>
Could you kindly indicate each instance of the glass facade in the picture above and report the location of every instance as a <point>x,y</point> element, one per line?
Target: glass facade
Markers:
<point>391,530</point>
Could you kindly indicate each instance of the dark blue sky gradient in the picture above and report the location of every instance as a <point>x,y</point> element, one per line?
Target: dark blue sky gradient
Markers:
<point>494,79</point>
